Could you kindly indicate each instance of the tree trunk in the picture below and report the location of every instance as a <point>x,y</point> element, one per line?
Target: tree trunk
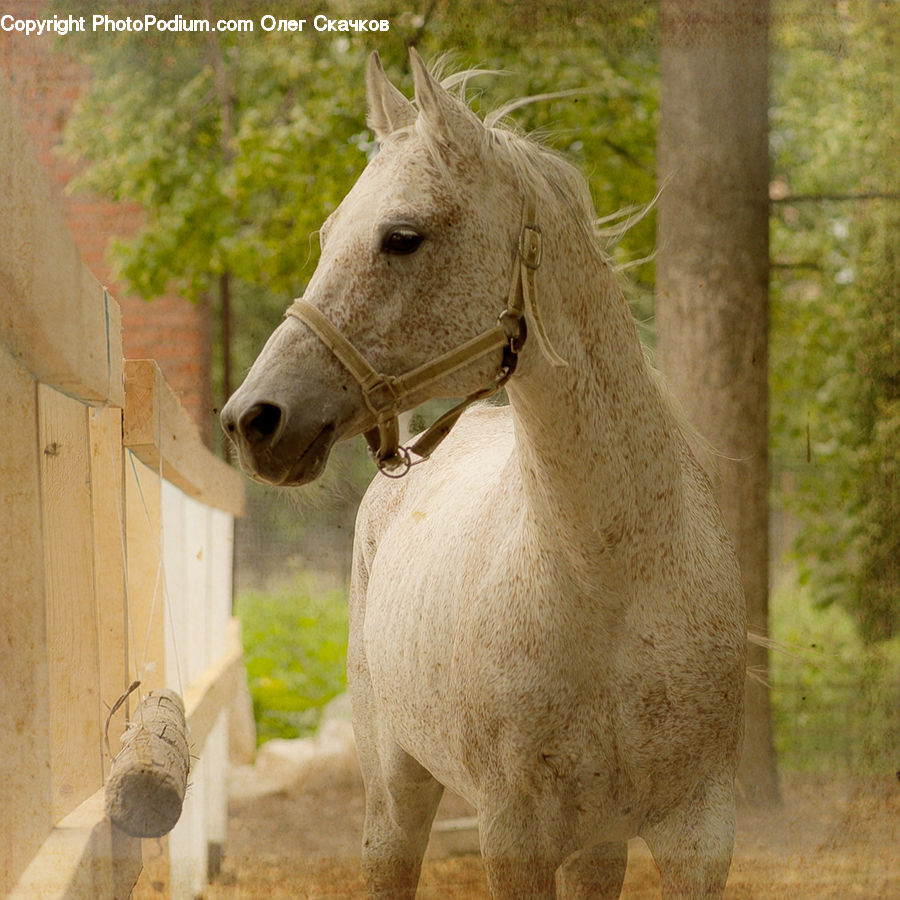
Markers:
<point>712,288</point>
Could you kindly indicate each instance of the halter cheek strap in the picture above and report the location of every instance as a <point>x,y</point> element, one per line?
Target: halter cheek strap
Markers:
<point>387,395</point>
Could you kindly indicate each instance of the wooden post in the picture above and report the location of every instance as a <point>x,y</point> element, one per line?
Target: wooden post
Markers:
<point>145,790</point>
<point>25,786</point>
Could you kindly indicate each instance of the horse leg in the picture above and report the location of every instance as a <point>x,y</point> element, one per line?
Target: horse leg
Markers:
<point>401,796</point>
<point>519,857</point>
<point>399,813</point>
<point>596,872</point>
<point>692,845</point>
<point>401,800</point>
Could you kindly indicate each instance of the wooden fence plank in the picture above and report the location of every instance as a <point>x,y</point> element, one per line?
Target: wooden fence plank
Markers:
<point>177,635</point>
<point>219,562</point>
<point>213,692</point>
<point>216,815</point>
<point>143,517</point>
<point>195,588</point>
<point>107,488</point>
<point>25,786</point>
<point>73,658</point>
<point>187,840</point>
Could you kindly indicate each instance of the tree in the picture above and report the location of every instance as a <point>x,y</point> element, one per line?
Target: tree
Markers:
<point>712,287</point>
<point>835,370</point>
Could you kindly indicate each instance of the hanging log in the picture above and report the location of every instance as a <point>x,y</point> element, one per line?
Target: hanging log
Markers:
<point>145,790</point>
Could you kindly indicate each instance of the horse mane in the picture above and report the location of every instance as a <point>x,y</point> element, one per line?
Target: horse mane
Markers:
<point>533,160</point>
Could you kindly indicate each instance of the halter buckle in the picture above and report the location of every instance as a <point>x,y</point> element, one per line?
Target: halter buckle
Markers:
<point>381,395</point>
<point>531,246</point>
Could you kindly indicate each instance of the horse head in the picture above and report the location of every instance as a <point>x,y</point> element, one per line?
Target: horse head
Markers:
<point>417,260</point>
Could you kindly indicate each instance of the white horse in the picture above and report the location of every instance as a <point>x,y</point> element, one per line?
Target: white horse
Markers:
<point>547,617</point>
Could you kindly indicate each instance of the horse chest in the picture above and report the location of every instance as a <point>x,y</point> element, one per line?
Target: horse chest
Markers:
<point>480,671</point>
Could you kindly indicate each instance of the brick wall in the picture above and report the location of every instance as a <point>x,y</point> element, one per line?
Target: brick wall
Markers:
<point>45,84</point>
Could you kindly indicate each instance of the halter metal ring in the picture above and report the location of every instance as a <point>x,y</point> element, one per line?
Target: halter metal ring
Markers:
<point>396,465</point>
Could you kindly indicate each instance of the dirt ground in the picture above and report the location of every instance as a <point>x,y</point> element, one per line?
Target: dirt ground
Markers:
<point>831,838</point>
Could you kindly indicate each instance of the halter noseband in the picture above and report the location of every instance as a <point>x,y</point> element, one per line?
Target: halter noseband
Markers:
<point>385,395</point>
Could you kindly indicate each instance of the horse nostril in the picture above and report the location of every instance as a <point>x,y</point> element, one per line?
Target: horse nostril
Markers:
<point>260,423</point>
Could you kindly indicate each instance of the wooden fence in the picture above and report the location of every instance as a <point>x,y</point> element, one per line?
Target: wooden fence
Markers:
<point>115,550</point>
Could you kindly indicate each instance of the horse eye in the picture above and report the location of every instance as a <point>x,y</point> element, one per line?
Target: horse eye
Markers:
<point>402,241</point>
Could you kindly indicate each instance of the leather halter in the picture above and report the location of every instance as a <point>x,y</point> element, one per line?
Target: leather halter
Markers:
<point>387,395</point>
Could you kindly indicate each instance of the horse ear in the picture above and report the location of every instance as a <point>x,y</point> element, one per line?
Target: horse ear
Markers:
<point>453,123</point>
<point>389,110</point>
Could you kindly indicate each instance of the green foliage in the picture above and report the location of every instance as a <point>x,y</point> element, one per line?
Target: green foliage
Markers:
<point>295,648</point>
<point>835,372</point>
<point>239,146</point>
<point>834,699</point>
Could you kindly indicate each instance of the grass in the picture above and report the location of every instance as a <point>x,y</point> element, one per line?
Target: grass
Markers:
<point>295,650</point>
<point>835,701</point>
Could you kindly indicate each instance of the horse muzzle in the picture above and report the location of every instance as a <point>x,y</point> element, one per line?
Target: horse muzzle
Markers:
<point>277,445</point>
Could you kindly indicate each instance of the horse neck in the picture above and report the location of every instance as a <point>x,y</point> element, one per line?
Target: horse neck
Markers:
<point>596,447</point>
